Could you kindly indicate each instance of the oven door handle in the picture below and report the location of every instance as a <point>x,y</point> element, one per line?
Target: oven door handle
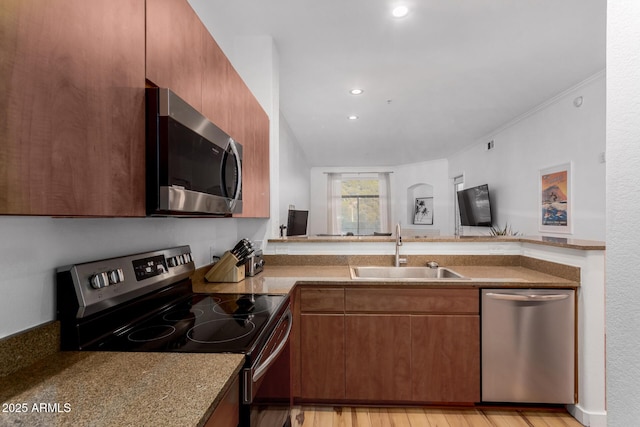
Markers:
<point>253,374</point>
<point>262,368</point>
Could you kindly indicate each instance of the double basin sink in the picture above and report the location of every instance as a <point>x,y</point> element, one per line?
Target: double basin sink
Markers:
<point>405,273</point>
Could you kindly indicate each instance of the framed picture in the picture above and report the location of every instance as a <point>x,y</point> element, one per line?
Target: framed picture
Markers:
<point>555,199</point>
<point>423,211</point>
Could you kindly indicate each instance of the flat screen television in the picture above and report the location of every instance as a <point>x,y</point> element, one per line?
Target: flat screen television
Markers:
<point>297,222</point>
<point>475,207</point>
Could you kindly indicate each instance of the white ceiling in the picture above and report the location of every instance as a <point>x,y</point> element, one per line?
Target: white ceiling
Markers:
<point>436,81</point>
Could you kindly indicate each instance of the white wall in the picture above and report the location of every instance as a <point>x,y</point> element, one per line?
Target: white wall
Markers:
<point>623,213</point>
<point>555,133</point>
<point>434,173</point>
<point>318,197</point>
<point>31,248</point>
<point>294,173</point>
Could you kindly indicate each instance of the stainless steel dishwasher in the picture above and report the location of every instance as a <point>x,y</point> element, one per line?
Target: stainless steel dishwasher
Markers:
<point>528,345</point>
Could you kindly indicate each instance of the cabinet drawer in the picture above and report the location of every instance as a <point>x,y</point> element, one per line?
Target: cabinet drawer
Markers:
<point>371,300</point>
<point>322,299</point>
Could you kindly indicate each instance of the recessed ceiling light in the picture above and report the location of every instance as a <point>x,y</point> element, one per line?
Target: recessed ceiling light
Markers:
<point>356,91</point>
<point>400,11</point>
<point>353,117</point>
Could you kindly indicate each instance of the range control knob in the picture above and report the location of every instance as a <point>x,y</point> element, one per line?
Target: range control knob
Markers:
<point>116,276</point>
<point>99,280</point>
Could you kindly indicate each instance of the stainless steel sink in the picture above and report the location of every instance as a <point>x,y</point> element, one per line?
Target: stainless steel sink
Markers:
<point>405,273</point>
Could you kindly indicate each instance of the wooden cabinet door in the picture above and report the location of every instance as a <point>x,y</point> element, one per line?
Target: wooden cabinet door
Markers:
<point>445,358</point>
<point>174,56</point>
<point>378,357</point>
<point>220,86</point>
<point>72,102</point>
<point>227,413</point>
<point>322,353</point>
<point>255,186</point>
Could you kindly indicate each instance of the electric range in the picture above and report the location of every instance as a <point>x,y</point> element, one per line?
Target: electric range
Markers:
<point>144,302</point>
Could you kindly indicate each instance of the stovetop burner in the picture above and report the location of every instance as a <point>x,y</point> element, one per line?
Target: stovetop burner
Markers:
<point>151,333</point>
<point>243,306</point>
<point>220,331</point>
<point>144,302</point>
<point>200,323</point>
<point>183,314</point>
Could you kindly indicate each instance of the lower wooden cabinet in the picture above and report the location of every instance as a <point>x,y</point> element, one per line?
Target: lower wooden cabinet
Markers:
<point>445,358</point>
<point>378,357</point>
<point>322,348</point>
<point>227,413</point>
<point>416,346</point>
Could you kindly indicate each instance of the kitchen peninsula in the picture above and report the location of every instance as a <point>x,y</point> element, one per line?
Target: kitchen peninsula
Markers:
<point>312,267</point>
<point>546,255</point>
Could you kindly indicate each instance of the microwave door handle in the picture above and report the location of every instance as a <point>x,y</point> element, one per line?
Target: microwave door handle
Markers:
<point>236,196</point>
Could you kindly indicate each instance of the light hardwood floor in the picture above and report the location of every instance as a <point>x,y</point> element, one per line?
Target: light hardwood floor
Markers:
<point>317,416</point>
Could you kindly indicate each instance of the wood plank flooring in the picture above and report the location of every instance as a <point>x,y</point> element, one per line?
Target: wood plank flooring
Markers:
<point>318,416</point>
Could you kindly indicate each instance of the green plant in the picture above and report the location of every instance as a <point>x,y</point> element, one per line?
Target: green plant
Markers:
<point>506,231</point>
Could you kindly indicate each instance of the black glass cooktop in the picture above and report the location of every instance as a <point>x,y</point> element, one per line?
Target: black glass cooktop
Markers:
<point>201,323</point>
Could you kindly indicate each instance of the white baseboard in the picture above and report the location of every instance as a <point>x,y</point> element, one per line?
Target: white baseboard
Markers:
<point>588,418</point>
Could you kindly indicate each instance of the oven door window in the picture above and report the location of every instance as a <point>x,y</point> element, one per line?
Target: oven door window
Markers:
<point>194,162</point>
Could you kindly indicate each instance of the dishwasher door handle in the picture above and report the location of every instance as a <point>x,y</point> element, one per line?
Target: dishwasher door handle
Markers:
<point>530,297</point>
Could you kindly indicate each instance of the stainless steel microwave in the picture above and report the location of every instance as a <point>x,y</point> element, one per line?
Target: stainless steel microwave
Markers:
<point>193,167</point>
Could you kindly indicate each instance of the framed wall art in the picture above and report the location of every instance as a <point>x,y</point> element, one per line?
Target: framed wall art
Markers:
<point>554,198</point>
<point>423,211</point>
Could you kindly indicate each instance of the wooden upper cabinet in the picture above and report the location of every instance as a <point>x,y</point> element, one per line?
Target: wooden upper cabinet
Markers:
<point>72,101</point>
<point>174,55</point>
<point>219,84</point>
<point>228,102</point>
<point>255,184</point>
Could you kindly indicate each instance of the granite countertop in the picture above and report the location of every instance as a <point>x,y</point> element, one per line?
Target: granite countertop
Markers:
<point>110,388</point>
<point>280,279</point>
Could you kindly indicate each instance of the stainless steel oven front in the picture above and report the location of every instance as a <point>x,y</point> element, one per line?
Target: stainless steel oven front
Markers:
<point>266,381</point>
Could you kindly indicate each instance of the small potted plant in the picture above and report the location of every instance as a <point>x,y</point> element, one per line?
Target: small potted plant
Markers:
<point>506,231</point>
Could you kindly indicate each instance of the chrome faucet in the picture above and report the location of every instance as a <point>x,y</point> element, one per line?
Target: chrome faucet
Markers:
<point>398,244</point>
